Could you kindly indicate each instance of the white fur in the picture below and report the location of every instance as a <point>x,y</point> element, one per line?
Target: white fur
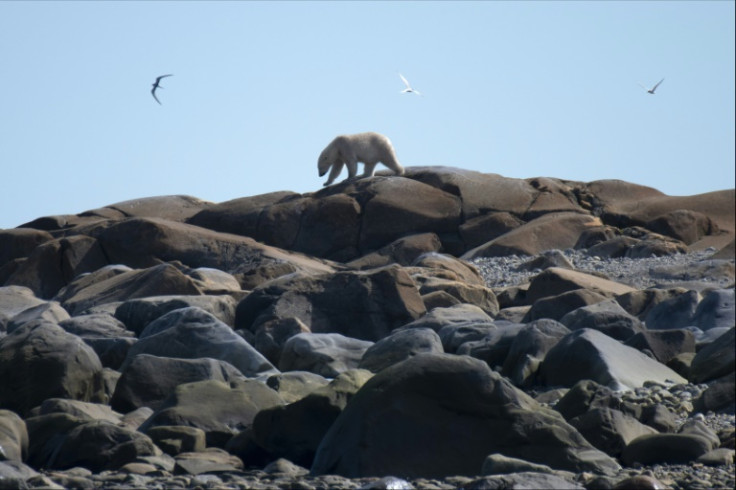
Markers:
<point>349,149</point>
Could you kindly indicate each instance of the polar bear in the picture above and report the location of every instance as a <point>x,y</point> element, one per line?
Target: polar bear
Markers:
<point>349,149</point>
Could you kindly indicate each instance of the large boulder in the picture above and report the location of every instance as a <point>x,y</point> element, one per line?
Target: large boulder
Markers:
<point>440,317</point>
<point>172,208</point>
<point>675,312</point>
<point>717,309</point>
<point>609,430</point>
<point>192,333</point>
<point>590,354</point>
<point>365,305</point>
<point>52,265</point>
<point>550,231</point>
<point>326,354</point>
<point>664,344</point>
<point>13,301</point>
<point>158,280</point>
<point>607,317</point>
<point>557,306</point>
<point>529,348</point>
<point>400,346</point>
<point>556,280</point>
<point>403,251</point>
<point>715,360</point>
<point>13,437</point>
<point>387,426</point>
<point>294,431</point>
<point>148,380</point>
<point>40,360</point>
<point>221,410</point>
<point>101,445</point>
<point>17,243</point>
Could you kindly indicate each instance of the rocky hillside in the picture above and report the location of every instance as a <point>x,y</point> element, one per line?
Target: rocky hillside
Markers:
<point>439,327</point>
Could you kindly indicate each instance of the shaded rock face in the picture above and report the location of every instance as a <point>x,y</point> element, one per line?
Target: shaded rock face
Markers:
<point>385,427</point>
<point>40,361</point>
<point>361,305</point>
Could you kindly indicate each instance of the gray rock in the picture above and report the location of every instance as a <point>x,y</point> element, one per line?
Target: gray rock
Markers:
<point>149,380</point>
<point>45,435</point>
<point>498,464</point>
<point>365,305</point>
<point>463,292</point>
<point>98,446</point>
<point>43,361</point>
<point>399,346</point>
<point>718,309</point>
<point>589,354</point>
<point>720,396</point>
<point>13,474</point>
<point>385,426</point>
<point>211,460</point>
<point>14,300</point>
<point>529,348</point>
<point>607,317</point>
<point>557,306</point>
<point>455,335</point>
<point>715,360</point>
<point>717,457</point>
<point>665,448</point>
<point>495,346</point>
<point>677,312</point>
<point>13,437</point>
<point>664,344</point>
<point>327,354</point>
<point>545,260</point>
<point>295,385</point>
<point>136,314</point>
<point>96,325</point>
<point>609,430</point>
<point>438,318</point>
<point>191,333</point>
<point>271,336</point>
<point>295,431</point>
<point>82,410</point>
<point>525,480</point>
<point>50,311</point>
<point>176,439</point>
<point>219,409</point>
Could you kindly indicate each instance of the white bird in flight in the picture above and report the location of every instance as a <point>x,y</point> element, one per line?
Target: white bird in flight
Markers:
<point>408,89</point>
<point>651,90</point>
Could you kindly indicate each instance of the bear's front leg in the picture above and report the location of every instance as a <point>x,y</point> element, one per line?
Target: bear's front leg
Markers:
<point>336,169</point>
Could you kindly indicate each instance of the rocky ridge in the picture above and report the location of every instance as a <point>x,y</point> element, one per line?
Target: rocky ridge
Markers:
<point>443,329</point>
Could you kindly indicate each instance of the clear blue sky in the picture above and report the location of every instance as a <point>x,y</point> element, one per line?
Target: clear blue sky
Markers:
<point>523,89</point>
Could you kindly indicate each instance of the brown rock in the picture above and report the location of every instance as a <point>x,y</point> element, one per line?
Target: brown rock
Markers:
<point>555,280</point>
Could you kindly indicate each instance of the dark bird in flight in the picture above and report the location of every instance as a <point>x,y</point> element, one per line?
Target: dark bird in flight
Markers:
<point>651,90</point>
<point>156,85</point>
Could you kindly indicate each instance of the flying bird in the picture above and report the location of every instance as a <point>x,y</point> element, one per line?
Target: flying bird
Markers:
<point>408,88</point>
<point>156,85</point>
<point>651,90</point>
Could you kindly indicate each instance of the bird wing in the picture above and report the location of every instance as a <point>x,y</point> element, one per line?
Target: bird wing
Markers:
<point>404,80</point>
<point>642,86</point>
<point>153,92</point>
<point>655,87</point>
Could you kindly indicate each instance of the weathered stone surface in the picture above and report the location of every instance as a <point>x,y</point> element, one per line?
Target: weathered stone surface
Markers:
<point>545,260</point>
<point>173,208</point>
<point>42,361</point>
<point>720,396</point>
<point>683,224</point>
<point>13,437</point>
<point>81,410</point>
<point>294,431</point>
<point>14,300</point>
<point>676,312</point>
<point>639,303</point>
<point>525,479</point>
<point>400,346</point>
<point>20,242</point>
<point>663,344</point>
<point>326,354</point>
<point>155,281</point>
<point>555,280</point>
<point>487,227</point>
<point>384,428</point>
<point>717,309</point>
<point>529,348</point>
<point>50,311</point>
<point>494,347</point>
<point>46,433</point>
<point>498,464</point>
<point>403,251</point>
<point>609,430</point>
<point>590,354</point>
<point>191,333</point>
<point>175,439</point>
<point>101,445</point>
<point>444,266</point>
<point>54,264</point>
<point>438,318</point>
<point>605,316</point>
<point>295,385</point>
<point>557,306</point>
<point>271,336</point>
<point>96,325</point>
<point>550,231</point>
<point>211,460</point>
<point>465,293</point>
<point>665,448</point>
<point>148,380</point>
<point>365,305</point>
<point>715,360</point>
<point>219,409</point>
